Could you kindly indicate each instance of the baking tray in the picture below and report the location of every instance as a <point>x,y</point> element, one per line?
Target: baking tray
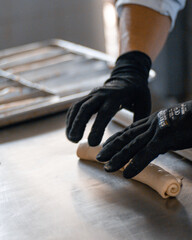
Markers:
<point>46,77</point>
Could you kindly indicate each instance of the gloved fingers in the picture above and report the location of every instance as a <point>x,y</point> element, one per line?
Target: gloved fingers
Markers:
<point>142,106</point>
<point>139,122</point>
<point>72,112</point>
<point>84,114</point>
<point>144,120</point>
<point>143,158</point>
<point>121,141</point>
<point>117,134</point>
<point>122,157</point>
<point>105,114</point>
<point>95,90</point>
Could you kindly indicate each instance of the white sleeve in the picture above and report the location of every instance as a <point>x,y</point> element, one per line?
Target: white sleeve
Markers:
<point>165,7</point>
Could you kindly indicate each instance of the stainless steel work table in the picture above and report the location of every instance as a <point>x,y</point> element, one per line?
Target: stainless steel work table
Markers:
<point>46,193</point>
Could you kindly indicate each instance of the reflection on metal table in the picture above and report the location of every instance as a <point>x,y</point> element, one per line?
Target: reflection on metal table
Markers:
<point>47,193</point>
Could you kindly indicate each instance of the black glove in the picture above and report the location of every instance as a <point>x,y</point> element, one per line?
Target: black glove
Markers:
<point>144,140</point>
<point>126,88</point>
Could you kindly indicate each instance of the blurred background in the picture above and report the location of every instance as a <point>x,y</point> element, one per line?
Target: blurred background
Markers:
<point>94,24</point>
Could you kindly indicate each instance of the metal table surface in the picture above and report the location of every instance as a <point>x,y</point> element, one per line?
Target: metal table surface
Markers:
<point>46,193</point>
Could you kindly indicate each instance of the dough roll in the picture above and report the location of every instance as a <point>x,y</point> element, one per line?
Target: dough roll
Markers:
<point>154,176</point>
<point>123,118</point>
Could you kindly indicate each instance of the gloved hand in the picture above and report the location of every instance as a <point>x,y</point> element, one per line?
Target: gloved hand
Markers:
<point>126,88</point>
<point>144,140</point>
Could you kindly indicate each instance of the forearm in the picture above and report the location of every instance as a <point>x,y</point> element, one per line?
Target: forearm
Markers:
<point>143,29</point>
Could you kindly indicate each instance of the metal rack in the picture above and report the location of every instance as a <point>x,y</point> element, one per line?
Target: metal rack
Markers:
<point>47,77</point>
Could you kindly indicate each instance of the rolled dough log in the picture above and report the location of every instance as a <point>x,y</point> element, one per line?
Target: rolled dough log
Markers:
<point>123,117</point>
<point>154,176</point>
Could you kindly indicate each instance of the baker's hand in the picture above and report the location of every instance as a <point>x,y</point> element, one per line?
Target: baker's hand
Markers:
<point>126,88</point>
<point>144,140</point>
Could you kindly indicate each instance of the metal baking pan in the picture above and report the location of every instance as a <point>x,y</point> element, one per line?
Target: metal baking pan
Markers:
<point>43,78</point>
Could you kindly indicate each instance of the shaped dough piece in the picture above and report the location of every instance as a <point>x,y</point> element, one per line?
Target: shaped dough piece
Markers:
<point>154,176</point>
<point>123,118</point>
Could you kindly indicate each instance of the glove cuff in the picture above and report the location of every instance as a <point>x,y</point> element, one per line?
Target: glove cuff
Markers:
<point>132,66</point>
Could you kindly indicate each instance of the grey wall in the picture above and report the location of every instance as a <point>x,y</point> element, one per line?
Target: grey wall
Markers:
<point>25,21</point>
<point>174,64</point>
<point>188,45</point>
